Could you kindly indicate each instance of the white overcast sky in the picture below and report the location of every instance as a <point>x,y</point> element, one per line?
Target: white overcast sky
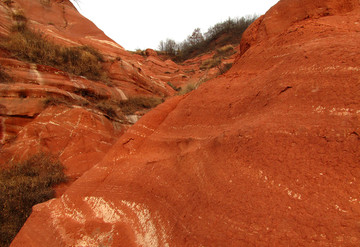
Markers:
<point>141,24</point>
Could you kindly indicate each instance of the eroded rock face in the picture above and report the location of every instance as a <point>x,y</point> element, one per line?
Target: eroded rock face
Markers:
<point>60,22</point>
<point>28,126</point>
<point>128,74</point>
<point>265,154</point>
<point>288,12</point>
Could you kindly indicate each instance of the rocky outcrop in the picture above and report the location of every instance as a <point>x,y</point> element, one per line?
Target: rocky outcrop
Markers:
<point>33,87</point>
<point>266,154</point>
<point>128,74</point>
<point>288,12</point>
<point>60,22</point>
<point>71,133</point>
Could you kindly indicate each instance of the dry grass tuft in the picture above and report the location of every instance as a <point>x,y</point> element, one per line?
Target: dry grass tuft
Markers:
<point>173,86</point>
<point>4,77</point>
<point>33,47</point>
<point>135,104</point>
<point>188,88</point>
<point>54,101</point>
<point>215,61</point>
<point>210,63</point>
<point>8,2</point>
<point>108,107</point>
<point>224,51</point>
<point>23,185</point>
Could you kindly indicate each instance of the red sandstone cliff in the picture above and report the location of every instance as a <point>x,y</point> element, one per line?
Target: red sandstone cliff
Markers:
<point>267,154</point>
<point>77,131</point>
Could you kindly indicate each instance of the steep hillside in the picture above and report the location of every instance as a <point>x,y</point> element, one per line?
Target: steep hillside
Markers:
<point>267,154</point>
<point>67,93</point>
<point>62,82</point>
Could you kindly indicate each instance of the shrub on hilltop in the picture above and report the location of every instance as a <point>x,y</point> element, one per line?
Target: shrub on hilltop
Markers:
<point>221,34</point>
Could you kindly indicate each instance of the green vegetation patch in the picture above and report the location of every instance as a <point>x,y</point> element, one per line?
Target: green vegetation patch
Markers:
<point>23,185</point>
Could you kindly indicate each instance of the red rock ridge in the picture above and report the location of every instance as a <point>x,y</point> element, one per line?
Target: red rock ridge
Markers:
<point>288,12</point>
<point>267,154</point>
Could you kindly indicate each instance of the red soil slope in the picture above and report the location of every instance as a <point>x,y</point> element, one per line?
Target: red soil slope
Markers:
<point>266,155</point>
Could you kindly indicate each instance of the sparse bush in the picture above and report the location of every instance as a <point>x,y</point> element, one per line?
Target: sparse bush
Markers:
<point>210,63</point>
<point>221,34</point>
<point>8,2</point>
<point>20,22</point>
<point>196,37</point>
<point>33,47</point>
<point>4,77</point>
<point>173,86</point>
<point>52,101</point>
<point>169,47</point>
<point>88,94</point>
<point>19,16</point>
<point>108,108</point>
<point>135,104</point>
<point>117,110</point>
<point>215,61</point>
<point>223,69</point>
<point>140,52</point>
<point>187,89</point>
<point>23,185</point>
<point>224,51</point>
<point>113,110</point>
<point>236,27</point>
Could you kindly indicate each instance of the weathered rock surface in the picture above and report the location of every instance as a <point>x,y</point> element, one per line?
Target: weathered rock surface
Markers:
<point>267,154</point>
<point>76,131</point>
<point>59,21</point>
<point>69,132</point>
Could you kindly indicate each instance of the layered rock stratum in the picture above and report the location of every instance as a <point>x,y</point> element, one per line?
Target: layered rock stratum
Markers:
<point>76,130</point>
<point>264,155</point>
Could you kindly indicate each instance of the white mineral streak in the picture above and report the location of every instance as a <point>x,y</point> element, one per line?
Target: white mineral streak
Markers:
<point>137,216</point>
<point>108,42</point>
<point>97,239</point>
<point>104,210</point>
<point>71,211</point>
<point>35,74</point>
<point>290,192</point>
<point>3,125</point>
<point>336,111</point>
<point>60,212</point>
<point>122,94</point>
